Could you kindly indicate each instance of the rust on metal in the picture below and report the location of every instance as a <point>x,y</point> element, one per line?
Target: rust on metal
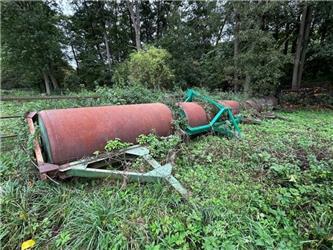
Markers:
<point>38,152</point>
<point>233,105</point>
<point>70,134</point>
<point>194,113</point>
<point>47,167</point>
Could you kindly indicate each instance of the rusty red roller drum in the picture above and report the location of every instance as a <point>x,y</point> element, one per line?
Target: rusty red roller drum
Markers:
<point>194,113</point>
<point>70,134</point>
<point>234,105</point>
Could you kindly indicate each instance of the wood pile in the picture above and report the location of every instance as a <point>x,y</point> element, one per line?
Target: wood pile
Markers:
<point>306,97</point>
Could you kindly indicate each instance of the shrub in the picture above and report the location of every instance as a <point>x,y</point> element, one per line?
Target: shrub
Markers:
<point>72,81</point>
<point>136,93</point>
<point>147,67</point>
<point>120,75</point>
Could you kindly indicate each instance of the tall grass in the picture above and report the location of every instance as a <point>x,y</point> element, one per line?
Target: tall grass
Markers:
<point>272,189</point>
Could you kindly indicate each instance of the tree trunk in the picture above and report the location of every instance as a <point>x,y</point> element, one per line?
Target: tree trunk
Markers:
<point>47,83</point>
<point>219,35</point>
<point>54,81</point>
<point>247,87</point>
<point>308,21</point>
<point>286,43</point>
<point>158,22</point>
<point>137,30</point>
<point>236,49</point>
<point>300,46</point>
<point>108,54</point>
<point>135,17</point>
<point>75,58</point>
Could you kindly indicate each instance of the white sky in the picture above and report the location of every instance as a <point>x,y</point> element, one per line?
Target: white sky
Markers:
<point>65,6</point>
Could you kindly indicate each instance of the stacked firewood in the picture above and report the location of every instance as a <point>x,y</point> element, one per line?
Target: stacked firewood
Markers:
<point>306,97</point>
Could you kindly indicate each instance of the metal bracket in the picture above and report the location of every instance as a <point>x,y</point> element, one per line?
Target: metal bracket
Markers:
<point>214,125</point>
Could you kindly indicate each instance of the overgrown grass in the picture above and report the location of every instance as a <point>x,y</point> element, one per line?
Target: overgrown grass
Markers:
<point>272,189</point>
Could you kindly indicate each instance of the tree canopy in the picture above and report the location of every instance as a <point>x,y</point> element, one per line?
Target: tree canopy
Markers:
<point>256,47</point>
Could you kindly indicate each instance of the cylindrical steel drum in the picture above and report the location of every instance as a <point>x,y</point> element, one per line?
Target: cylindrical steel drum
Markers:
<point>234,105</point>
<point>194,113</point>
<point>70,134</point>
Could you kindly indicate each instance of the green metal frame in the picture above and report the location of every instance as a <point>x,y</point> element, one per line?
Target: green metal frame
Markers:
<point>81,168</point>
<point>229,127</point>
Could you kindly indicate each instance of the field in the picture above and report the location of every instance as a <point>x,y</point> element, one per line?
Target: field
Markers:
<point>271,189</point>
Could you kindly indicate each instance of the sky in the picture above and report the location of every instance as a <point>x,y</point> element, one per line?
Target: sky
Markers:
<point>65,6</point>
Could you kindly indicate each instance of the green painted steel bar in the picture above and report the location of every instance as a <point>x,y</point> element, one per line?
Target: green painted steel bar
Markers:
<point>151,176</point>
<point>133,150</point>
<point>80,169</point>
<point>214,124</point>
<point>170,178</point>
<point>151,161</point>
<point>177,185</point>
<point>234,123</point>
<point>210,125</point>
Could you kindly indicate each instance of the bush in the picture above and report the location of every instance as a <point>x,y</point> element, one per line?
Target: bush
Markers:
<point>72,81</point>
<point>136,93</point>
<point>147,67</point>
<point>120,75</point>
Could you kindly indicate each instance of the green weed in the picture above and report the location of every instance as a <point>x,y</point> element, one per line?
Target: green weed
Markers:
<point>271,189</point>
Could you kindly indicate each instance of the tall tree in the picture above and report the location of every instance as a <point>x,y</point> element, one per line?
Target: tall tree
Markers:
<point>31,40</point>
<point>192,32</point>
<point>99,34</point>
<point>301,45</point>
<point>223,44</point>
<point>249,57</point>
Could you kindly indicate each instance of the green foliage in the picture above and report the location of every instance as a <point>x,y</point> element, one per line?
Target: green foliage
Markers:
<point>72,81</point>
<point>194,43</point>
<point>159,147</point>
<point>116,144</point>
<point>147,67</point>
<point>92,25</point>
<point>261,61</point>
<point>120,75</point>
<point>136,93</point>
<point>272,189</point>
<point>193,28</point>
<point>319,59</point>
<point>216,66</point>
<point>30,43</point>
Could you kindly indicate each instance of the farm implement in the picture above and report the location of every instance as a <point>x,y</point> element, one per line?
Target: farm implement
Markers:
<point>222,122</point>
<point>69,137</point>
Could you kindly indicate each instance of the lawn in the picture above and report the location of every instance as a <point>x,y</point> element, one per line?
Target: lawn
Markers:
<point>271,189</point>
